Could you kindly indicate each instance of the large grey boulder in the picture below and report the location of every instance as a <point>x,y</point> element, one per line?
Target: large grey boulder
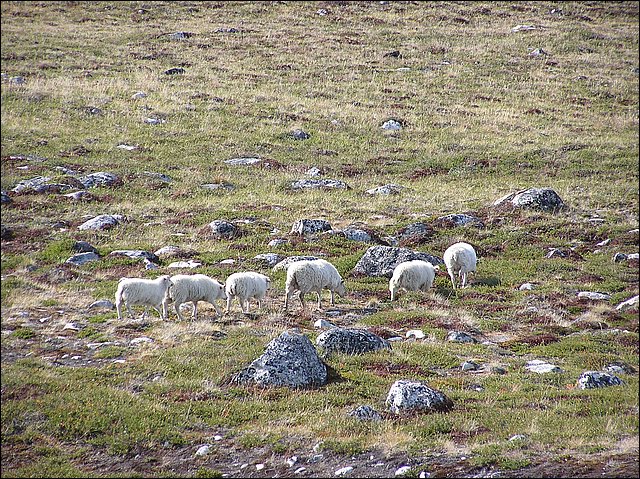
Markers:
<point>381,260</point>
<point>597,379</point>
<point>289,360</point>
<point>81,258</point>
<point>350,341</point>
<point>407,396</point>
<point>533,198</point>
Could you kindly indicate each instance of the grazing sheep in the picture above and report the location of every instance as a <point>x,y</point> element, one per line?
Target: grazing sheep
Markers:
<point>146,292</point>
<point>412,276</point>
<point>313,275</point>
<point>193,288</point>
<point>244,286</point>
<point>460,259</point>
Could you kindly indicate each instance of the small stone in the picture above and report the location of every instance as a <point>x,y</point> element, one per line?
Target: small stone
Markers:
<point>175,71</point>
<point>469,366</point>
<point>203,450</point>
<point>541,367</point>
<point>402,471</point>
<point>414,333</point>
<point>526,287</point>
<point>593,295</point>
<point>391,125</point>
<point>138,95</point>
<point>343,471</point>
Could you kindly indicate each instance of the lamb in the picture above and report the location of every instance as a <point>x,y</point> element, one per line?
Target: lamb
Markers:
<point>146,292</point>
<point>313,275</point>
<point>244,286</point>
<point>412,276</point>
<point>193,288</point>
<point>460,259</point>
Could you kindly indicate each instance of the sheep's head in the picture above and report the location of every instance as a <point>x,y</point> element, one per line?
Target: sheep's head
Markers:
<point>341,289</point>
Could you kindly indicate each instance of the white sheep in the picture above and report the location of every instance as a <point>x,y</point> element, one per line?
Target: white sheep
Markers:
<point>145,292</point>
<point>460,259</point>
<point>416,275</point>
<point>313,275</point>
<point>245,286</point>
<point>193,288</point>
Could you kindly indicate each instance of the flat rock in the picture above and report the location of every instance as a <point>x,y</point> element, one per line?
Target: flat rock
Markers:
<point>101,178</point>
<point>284,264</point>
<point>541,367</point>
<point>389,189</point>
<point>629,304</point>
<point>366,413</point>
<point>460,219</point>
<point>136,254</point>
<point>350,341</point>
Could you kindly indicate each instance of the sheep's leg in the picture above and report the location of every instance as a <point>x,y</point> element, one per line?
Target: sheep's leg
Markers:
<point>159,312</point>
<point>332,298</point>
<point>464,279</point>
<point>229,299</point>
<point>393,293</point>
<point>177,308</point>
<point>245,306</point>
<point>453,279</point>
<point>119,309</point>
<point>129,310</point>
<point>217,309</point>
<point>194,314</point>
<point>302,300</point>
<point>319,301</point>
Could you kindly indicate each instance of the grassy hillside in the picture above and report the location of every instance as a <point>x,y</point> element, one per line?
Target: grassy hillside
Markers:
<point>486,109</point>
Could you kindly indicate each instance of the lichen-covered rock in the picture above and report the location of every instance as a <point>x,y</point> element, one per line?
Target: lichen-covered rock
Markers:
<point>382,260</point>
<point>83,247</point>
<point>389,189</point>
<point>366,413</point>
<point>271,259</point>
<point>307,226</point>
<point>544,199</point>
<point>460,337</point>
<point>350,341</point>
<point>597,379</point>
<point>289,360</point>
<point>414,396</point>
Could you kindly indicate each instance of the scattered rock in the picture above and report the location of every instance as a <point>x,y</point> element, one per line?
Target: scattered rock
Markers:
<point>541,367</point>
<point>81,195</point>
<point>618,367</point>
<point>138,95</point>
<point>544,199</point>
<point>82,258</point>
<point>135,254</point>
<point>180,35</point>
<point>460,219</point>
<point>271,259</point>
<point>223,229</point>
<point>389,189</point>
<point>243,161</point>
<point>366,413</point>
<point>7,234</point>
<point>597,379</point>
<point>523,28</point>
<point>350,341</point>
<point>184,264</point>
<point>629,304</point>
<point>323,324</point>
<point>538,52</point>
<point>527,287</point>
<point>218,186</point>
<point>415,234</point>
<point>102,303</point>
<point>300,135</point>
<point>391,125</point>
<point>175,71</point>
<point>381,260</point>
<point>83,247</point>
<point>100,178</point>
<point>289,360</point>
<point>460,337</point>
<point>306,227</point>
<point>101,222</point>
<point>6,198</point>
<point>343,471</point>
<point>173,252</point>
<point>593,295</point>
<point>414,333</point>
<point>410,396</point>
<point>319,184</point>
<point>203,450</point>
<point>469,366</point>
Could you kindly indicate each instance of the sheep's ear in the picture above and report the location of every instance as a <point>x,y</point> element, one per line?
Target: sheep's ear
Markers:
<point>436,267</point>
